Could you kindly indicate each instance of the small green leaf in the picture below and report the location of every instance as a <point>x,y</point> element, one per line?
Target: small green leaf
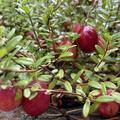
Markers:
<point>77,76</point>
<point>94,93</point>
<point>80,91</point>
<point>3,52</point>
<point>88,73</point>
<point>11,44</point>
<point>105,98</point>
<point>94,58</point>
<point>73,75</point>
<point>45,78</point>
<point>64,47</point>
<point>33,95</point>
<point>23,2</point>
<point>66,54</point>
<point>112,50</point>
<point>20,10</point>
<point>54,71</point>
<point>25,9</point>
<point>60,74</point>
<point>103,88</point>
<point>27,93</point>
<point>40,61</point>
<point>103,11</point>
<point>73,36</point>
<point>116,36</point>
<point>24,61</point>
<point>68,86</point>
<point>2,30</point>
<point>11,33</point>
<point>116,96</point>
<point>86,108</point>
<point>35,87</point>
<point>22,83</point>
<point>99,50</point>
<point>18,95</point>
<point>94,84</point>
<point>52,84</point>
<point>80,98</point>
<point>110,85</point>
<point>107,36</point>
<point>94,107</point>
<point>116,79</point>
<point>43,60</point>
<point>98,67</point>
<point>102,17</point>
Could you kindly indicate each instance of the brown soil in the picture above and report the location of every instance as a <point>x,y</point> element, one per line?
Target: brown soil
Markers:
<point>51,114</point>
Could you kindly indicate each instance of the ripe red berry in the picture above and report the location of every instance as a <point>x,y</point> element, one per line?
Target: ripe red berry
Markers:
<point>29,34</point>
<point>39,104</point>
<point>10,98</point>
<point>77,28</point>
<point>66,41</point>
<point>88,39</point>
<point>108,109</point>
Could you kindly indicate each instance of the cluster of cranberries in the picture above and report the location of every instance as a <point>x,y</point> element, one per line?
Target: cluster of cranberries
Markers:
<point>86,41</point>
<point>88,38</point>
<point>12,97</point>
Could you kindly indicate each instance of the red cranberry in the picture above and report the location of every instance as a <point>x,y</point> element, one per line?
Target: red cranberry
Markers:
<point>108,109</point>
<point>88,39</point>
<point>39,104</point>
<point>10,98</point>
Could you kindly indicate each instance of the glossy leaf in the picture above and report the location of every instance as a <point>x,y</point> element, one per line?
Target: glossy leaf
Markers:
<point>68,86</point>
<point>11,44</point>
<point>105,98</point>
<point>94,107</point>
<point>60,74</point>
<point>86,108</point>
<point>3,52</point>
<point>66,54</point>
<point>116,96</point>
<point>11,33</point>
<point>27,93</point>
<point>95,84</point>
<point>110,85</point>
<point>25,61</point>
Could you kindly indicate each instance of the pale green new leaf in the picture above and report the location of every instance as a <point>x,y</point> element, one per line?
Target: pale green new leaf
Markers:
<point>68,86</point>
<point>86,108</point>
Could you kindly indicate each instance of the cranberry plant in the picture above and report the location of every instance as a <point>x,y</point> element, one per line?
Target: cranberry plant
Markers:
<point>72,45</point>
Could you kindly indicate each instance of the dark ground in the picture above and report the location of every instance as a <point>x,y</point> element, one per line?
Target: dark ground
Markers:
<point>51,114</point>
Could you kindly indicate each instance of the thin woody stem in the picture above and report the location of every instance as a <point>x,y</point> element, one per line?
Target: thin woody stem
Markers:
<point>15,70</point>
<point>32,24</point>
<point>103,56</point>
<point>60,92</point>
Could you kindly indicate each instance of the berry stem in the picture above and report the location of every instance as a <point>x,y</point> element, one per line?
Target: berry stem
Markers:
<point>36,37</point>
